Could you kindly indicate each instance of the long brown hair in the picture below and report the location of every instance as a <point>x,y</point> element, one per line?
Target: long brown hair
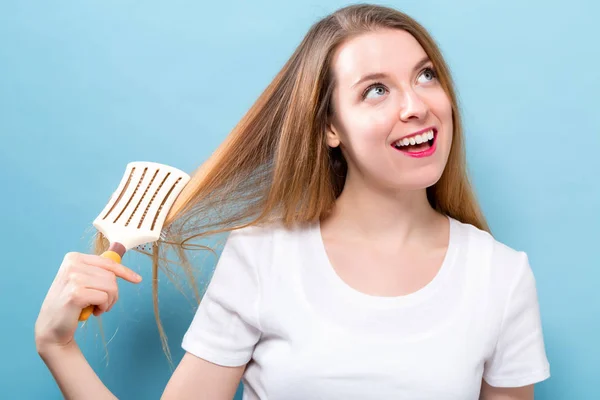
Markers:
<point>276,166</point>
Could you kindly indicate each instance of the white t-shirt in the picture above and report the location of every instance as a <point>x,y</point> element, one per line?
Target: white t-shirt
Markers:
<point>276,303</point>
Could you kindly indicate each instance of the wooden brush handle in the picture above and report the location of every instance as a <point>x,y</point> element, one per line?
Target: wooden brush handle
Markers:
<point>89,310</point>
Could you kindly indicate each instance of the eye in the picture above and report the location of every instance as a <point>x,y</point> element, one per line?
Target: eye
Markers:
<point>429,74</point>
<point>375,90</point>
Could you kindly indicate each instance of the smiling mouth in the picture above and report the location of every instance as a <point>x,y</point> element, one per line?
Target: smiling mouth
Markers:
<point>416,143</point>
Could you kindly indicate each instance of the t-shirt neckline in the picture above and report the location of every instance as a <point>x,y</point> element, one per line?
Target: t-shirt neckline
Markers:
<point>358,298</point>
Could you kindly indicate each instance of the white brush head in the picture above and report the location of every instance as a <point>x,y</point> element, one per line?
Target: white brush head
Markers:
<point>136,211</point>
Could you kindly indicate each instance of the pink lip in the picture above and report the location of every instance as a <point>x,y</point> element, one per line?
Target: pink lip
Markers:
<point>424,153</point>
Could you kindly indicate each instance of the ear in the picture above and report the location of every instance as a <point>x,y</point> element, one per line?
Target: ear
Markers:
<point>333,137</point>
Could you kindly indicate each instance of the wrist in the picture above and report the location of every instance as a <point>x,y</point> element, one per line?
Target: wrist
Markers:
<point>47,349</point>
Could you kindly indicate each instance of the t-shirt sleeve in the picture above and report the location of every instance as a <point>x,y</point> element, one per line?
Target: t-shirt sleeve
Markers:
<point>519,358</point>
<point>225,328</point>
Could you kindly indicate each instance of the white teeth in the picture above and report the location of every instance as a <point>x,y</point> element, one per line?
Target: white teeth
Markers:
<point>417,139</point>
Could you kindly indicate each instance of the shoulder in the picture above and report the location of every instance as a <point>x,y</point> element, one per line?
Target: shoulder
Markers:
<point>269,250</point>
<point>262,240</point>
<point>500,265</point>
<point>498,253</point>
<point>504,296</point>
<point>501,281</point>
<point>266,232</point>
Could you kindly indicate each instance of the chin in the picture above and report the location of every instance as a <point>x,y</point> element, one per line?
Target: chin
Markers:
<point>418,181</point>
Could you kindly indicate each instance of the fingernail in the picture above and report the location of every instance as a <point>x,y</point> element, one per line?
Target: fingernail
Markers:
<point>137,277</point>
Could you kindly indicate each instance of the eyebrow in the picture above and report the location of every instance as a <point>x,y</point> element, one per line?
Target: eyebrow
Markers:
<point>381,75</point>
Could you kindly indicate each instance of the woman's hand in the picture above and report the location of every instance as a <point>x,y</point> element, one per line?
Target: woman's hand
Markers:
<point>82,280</point>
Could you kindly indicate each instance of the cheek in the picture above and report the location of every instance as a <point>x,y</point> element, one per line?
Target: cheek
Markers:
<point>366,128</point>
<point>442,108</point>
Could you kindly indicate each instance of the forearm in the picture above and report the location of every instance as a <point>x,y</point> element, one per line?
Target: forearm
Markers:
<point>73,374</point>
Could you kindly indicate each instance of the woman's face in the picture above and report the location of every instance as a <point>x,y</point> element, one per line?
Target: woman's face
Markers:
<point>391,117</point>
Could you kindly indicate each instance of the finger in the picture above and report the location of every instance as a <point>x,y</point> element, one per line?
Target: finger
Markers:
<point>81,297</point>
<point>74,260</point>
<point>96,278</point>
<point>118,269</point>
<point>109,280</point>
<point>98,272</point>
<point>101,309</point>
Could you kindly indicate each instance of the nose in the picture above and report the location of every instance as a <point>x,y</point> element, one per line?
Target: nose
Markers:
<point>413,106</point>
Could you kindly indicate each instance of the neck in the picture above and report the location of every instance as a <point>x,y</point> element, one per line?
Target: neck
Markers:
<point>379,215</point>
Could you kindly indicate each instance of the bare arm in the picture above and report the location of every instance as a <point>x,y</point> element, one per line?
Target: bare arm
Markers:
<point>199,379</point>
<point>194,378</point>
<point>75,377</point>
<point>496,393</point>
<point>85,280</point>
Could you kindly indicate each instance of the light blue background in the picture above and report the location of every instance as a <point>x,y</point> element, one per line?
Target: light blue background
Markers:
<point>86,87</point>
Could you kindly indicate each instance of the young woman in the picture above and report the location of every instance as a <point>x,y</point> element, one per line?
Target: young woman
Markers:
<point>358,265</point>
